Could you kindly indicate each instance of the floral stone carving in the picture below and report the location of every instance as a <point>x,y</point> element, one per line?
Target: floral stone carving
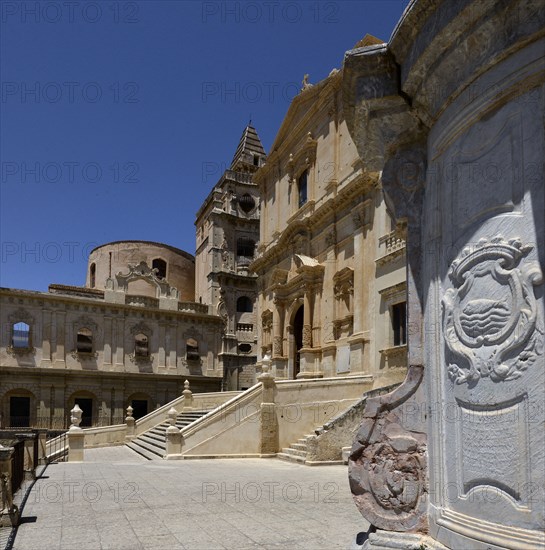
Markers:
<point>491,324</point>
<point>387,464</point>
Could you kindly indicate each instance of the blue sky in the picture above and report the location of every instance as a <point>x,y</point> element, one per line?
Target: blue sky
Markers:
<point>117,118</point>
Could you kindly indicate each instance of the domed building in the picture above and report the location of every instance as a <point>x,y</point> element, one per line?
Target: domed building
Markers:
<point>131,336</point>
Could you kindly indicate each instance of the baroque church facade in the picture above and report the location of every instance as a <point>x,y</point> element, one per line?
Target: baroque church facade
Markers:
<point>330,265</point>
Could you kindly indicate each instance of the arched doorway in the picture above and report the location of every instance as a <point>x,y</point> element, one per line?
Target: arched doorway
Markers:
<point>298,321</point>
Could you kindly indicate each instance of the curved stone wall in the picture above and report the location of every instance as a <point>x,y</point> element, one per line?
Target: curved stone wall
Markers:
<point>112,258</point>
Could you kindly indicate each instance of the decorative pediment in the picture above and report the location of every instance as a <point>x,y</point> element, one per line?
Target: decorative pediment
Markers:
<point>141,328</point>
<point>83,321</point>
<point>21,315</point>
<point>143,271</point>
<point>302,159</point>
<point>300,260</point>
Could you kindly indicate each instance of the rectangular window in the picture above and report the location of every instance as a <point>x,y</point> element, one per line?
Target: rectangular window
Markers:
<point>302,188</point>
<point>399,323</point>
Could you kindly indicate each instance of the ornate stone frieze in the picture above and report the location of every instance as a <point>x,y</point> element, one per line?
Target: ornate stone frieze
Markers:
<point>491,324</point>
<point>387,464</point>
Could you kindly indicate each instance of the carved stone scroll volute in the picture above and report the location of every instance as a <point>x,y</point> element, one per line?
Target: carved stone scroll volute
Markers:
<point>387,464</point>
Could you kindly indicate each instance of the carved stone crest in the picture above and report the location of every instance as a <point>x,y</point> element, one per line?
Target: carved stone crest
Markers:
<point>491,324</point>
<point>387,464</point>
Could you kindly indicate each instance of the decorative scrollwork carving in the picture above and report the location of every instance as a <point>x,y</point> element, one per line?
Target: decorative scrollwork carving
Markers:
<point>277,346</point>
<point>491,324</point>
<point>307,336</point>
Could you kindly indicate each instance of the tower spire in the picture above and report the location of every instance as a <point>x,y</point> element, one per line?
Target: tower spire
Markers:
<point>250,153</point>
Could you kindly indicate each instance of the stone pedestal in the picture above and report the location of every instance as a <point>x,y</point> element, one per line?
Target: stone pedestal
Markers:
<point>9,513</point>
<point>76,444</point>
<point>268,428</point>
<point>188,397</point>
<point>174,442</point>
<point>131,424</point>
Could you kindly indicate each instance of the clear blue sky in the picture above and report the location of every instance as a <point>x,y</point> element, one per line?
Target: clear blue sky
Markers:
<point>117,118</point>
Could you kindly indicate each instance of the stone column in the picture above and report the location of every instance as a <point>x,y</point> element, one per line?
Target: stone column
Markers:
<point>107,350</point>
<point>277,347</point>
<point>60,351</point>
<point>161,354</point>
<point>46,338</point>
<point>307,318</point>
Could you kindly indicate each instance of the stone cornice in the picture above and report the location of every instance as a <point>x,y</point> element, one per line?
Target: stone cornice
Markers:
<point>101,307</point>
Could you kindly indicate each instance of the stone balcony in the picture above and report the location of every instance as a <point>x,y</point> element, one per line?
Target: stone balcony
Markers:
<point>193,307</point>
<point>391,247</point>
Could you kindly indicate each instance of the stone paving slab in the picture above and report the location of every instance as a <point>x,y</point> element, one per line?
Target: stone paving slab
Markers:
<point>116,500</point>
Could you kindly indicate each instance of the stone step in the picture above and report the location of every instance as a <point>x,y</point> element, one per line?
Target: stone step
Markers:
<point>294,452</point>
<point>152,439</point>
<point>152,444</point>
<point>154,447</point>
<point>142,451</point>
<point>299,446</point>
<point>290,458</point>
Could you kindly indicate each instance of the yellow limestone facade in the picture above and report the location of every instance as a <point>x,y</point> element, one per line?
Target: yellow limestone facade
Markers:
<point>331,269</point>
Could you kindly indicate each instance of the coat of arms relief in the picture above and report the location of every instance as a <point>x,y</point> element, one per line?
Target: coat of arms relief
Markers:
<point>491,321</point>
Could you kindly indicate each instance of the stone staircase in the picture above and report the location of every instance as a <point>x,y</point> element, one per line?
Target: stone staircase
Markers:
<point>152,444</point>
<point>296,452</point>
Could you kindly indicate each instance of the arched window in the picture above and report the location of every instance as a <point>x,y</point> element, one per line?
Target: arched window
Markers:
<point>192,350</point>
<point>92,275</point>
<point>245,247</point>
<point>20,337</point>
<point>245,305</point>
<point>84,341</point>
<point>161,267</point>
<point>141,346</point>
<point>302,188</point>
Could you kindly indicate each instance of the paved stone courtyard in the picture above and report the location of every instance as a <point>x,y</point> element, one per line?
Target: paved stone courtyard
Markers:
<point>117,500</point>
